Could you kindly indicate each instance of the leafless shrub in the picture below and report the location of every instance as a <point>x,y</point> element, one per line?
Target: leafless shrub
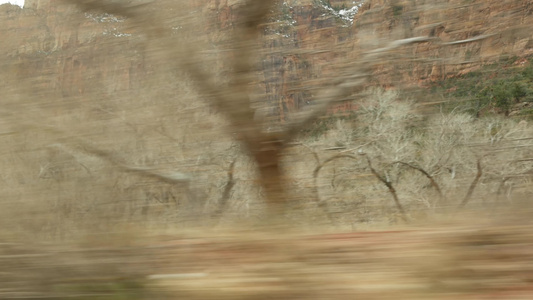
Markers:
<point>429,160</point>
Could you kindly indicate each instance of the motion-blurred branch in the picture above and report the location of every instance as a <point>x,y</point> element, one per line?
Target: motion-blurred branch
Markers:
<point>74,145</point>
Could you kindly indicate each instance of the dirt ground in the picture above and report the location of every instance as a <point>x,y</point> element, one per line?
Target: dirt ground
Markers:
<point>452,263</point>
<point>450,260</point>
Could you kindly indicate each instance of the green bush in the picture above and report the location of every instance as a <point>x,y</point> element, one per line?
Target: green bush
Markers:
<point>499,86</point>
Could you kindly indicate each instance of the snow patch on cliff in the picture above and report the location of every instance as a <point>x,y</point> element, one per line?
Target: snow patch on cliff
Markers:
<point>345,14</point>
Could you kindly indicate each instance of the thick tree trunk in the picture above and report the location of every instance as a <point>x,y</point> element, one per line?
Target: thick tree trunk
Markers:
<point>267,155</point>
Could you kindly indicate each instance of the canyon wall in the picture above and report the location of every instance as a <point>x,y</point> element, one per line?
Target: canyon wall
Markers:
<point>494,29</point>
<point>66,53</point>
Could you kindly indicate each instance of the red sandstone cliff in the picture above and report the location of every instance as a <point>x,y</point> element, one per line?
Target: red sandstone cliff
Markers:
<point>505,26</point>
<point>67,53</point>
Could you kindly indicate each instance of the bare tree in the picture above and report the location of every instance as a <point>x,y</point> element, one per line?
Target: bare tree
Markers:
<point>232,99</point>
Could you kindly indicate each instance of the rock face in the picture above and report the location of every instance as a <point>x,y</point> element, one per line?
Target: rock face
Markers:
<point>496,28</point>
<point>68,53</point>
<point>65,53</point>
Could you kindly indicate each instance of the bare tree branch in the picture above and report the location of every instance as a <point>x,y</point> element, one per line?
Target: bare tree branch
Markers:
<point>472,185</point>
<point>434,184</point>
<point>108,156</point>
<point>399,43</point>
<point>477,38</point>
<point>322,203</point>
<point>348,86</point>
<point>313,152</point>
<point>320,166</point>
<point>389,186</point>
<point>222,202</point>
